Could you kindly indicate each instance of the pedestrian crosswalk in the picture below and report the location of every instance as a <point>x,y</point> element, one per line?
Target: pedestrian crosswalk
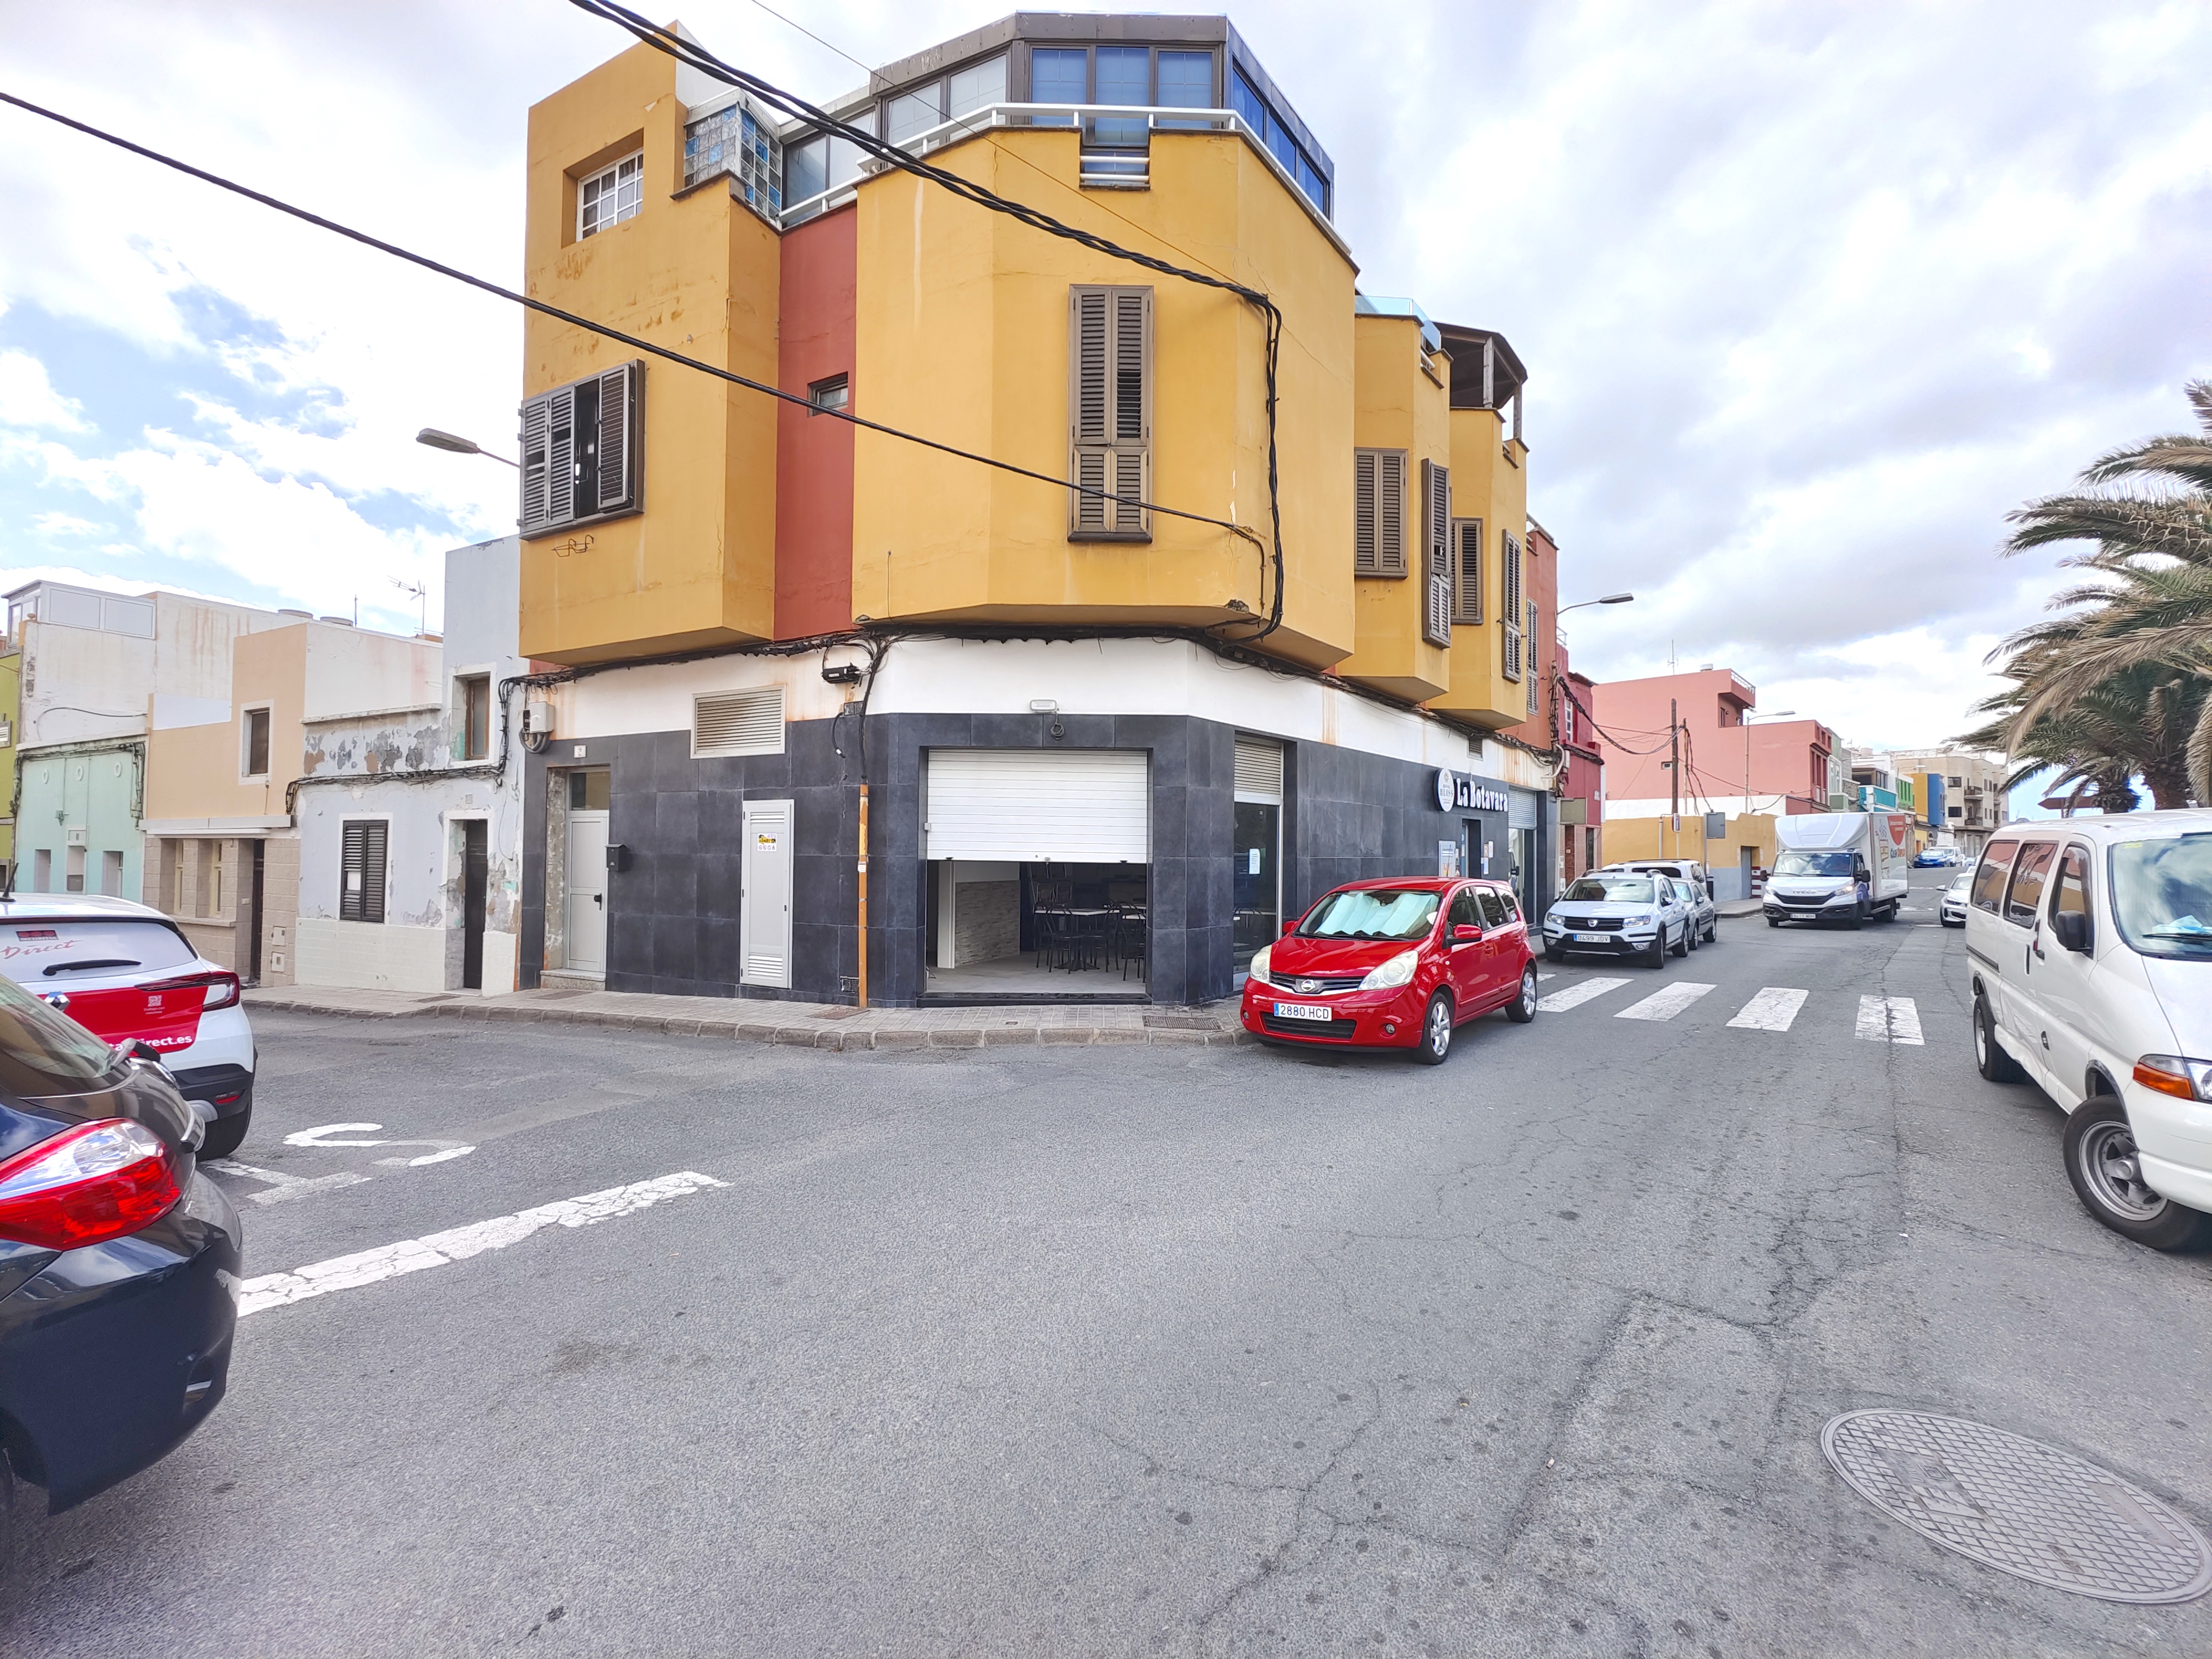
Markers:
<point>1773,1008</point>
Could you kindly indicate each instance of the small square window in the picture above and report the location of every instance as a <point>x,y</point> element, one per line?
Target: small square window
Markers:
<point>607,198</point>
<point>832,393</point>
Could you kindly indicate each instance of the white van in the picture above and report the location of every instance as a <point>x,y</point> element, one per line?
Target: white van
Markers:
<point>2091,941</point>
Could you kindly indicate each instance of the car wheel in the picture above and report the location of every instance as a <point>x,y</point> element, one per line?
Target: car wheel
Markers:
<point>1859,916</point>
<point>1553,955</point>
<point>1774,922</point>
<point>1990,1059</point>
<point>1523,1008</point>
<point>1682,945</point>
<point>1658,956</point>
<point>1435,1032</point>
<point>1889,912</point>
<point>2107,1176</point>
<point>227,1134</point>
<point>1690,940</point>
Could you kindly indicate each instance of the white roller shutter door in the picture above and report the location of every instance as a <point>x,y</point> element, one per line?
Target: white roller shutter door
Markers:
<point>1039,806</point>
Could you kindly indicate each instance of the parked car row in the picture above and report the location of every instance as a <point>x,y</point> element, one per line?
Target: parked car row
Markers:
<point>2090,948</point>
<point>1633,910</point>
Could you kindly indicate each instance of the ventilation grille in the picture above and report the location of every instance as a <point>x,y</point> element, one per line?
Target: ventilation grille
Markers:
<point>749,722</point>
<point>1259,770</point>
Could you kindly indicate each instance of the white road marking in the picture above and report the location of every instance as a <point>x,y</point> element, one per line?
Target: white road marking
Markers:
<point>1577,993</point>
<point>283,1188</point>
<point>1771,1009</point>
<point>320,1137</point>
<point>1666,1002</point>
<point>1889,1019</point>
<point>347,1272</point>
<point>1547,975</point>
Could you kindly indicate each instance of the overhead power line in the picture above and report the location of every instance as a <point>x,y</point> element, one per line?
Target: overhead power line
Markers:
<point>585,323</point>
<point>695,57</point>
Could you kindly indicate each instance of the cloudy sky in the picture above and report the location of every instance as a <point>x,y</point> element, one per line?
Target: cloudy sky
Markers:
<point>1810,295</point>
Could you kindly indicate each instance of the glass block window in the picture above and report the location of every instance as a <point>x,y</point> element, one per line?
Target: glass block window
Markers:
<point>608,198</point>
<point>731,141</point>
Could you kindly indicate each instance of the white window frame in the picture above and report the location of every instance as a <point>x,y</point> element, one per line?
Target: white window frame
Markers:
<point>629,194</point>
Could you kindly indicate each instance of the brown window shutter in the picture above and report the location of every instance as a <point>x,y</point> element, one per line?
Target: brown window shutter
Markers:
<point>1110,383</point>
<point>1466,573</point>
<point>537,431</point>
<point>1436,552</point>
<point>1366,554</point>
<point>1390,511</point>
<point>618,399</point>
<point>349,873</point>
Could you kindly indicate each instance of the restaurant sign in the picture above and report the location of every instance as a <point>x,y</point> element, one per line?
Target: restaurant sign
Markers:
<point>1456,792</point>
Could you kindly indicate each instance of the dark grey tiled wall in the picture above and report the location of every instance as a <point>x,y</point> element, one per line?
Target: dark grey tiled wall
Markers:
<point>672,915</point>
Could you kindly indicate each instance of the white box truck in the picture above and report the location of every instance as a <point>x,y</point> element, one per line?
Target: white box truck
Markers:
<point>1840,866</point>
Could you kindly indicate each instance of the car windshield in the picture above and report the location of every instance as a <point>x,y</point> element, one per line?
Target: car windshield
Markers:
<point>1373,913</point>
<point>44,1051</point>
<point>1611,889</point>
<point>1688,890</point>
<point>1960,884</point>
<point>47,953</point>
<point>2162,896</point>
<point>1796,862</point>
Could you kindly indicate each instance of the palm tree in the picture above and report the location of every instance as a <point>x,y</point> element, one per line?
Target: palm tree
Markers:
<point>2147,632</point>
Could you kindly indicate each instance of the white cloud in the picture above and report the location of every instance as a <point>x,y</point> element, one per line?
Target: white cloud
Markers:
<point>64,523</point>
<point>27,397</point>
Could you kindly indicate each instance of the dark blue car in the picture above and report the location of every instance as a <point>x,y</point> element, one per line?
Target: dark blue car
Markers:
<point>118,1260</point>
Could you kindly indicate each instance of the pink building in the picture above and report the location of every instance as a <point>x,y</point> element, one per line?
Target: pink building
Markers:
<point>1727,766</point>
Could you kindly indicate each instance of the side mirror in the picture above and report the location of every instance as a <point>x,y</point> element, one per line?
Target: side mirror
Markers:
<point>2072,929</point>
<point>1464,934</point>
<point>138,1048</point>
<point>1290,927</point>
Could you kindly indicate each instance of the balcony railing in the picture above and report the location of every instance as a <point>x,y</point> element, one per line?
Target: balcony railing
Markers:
<point>1115,154</point>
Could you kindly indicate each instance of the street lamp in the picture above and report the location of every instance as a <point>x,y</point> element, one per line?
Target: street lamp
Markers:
<point>446,441</point>
<point>1610,599</point>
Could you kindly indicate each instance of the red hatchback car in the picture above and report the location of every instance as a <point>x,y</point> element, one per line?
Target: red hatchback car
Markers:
<point>1394,964</point>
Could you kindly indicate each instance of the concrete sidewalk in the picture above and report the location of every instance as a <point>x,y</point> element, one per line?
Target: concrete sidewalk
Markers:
<point>798,1024</point>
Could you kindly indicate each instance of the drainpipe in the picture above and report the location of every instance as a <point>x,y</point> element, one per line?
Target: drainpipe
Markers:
<point>863,983</point>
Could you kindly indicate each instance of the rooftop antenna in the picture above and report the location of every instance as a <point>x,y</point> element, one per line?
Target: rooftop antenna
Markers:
<point>419,592</point>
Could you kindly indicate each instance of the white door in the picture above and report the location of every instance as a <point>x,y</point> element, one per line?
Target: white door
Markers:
<point>764,895</point>
<point>586,951</point>
<point>1039,806</point>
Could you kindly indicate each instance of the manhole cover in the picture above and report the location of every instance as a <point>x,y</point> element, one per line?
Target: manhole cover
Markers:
<point>2019,1506</point>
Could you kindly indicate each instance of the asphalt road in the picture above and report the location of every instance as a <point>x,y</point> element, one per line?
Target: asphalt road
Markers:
<point>1155,1350</point>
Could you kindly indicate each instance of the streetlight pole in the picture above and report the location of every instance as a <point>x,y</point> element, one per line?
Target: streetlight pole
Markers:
<point>1610,599</point>
<point>445,441</point>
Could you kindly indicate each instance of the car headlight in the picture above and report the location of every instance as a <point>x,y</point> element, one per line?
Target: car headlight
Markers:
<point>1399,970</point>
<point>1260,958</point>
<point>1641,919</point>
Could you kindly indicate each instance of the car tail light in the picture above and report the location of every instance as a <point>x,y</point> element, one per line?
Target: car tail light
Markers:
<point>222,987</point>
<point>87,1185</point>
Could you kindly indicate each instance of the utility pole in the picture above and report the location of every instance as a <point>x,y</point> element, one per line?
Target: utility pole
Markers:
<point>1674,770</point>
